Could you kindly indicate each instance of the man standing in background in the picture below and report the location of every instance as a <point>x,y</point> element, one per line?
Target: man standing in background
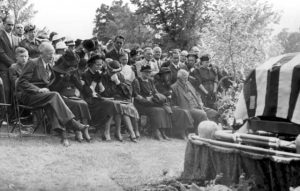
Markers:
<point>8,43</point>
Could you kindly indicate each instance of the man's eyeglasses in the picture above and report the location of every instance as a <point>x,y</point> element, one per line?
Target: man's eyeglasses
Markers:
<point>19,27</point>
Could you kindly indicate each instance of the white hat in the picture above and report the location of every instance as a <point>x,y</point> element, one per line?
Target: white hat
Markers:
<point>57,37</point>
<point>60,45</point>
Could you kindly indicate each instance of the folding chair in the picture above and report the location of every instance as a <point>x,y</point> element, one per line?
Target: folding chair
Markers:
<point>19,109</point>
<point>4,107</point>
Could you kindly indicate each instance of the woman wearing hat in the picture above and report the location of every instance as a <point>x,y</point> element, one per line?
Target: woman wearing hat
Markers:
<point>66,81</point>
<point>117,88</point>
<point>207,81</point>
<point>30,42</point>
<point>181,118</point>
<point>102,109</point>
<point>144,93</point>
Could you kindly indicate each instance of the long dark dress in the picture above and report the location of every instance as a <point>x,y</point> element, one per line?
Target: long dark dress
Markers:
<point>159,117</point>
<point>121,92</point>
<point>207,76</point>
<point>101,109</point>
<point>181,118</point>
<point>67,85</point>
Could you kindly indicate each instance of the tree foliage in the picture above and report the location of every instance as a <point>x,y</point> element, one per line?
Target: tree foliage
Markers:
<point>289,40</point>
<point>22,10</point>
<point>179,22</point>
<point>239,34</point>
<point>118,19</point>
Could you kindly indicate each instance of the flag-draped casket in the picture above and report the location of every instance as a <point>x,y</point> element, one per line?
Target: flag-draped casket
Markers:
<point>272,90</point>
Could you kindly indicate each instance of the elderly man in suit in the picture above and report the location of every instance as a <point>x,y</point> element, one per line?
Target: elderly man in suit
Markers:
<point>34,83</point>
<point>185,96</point>
<point>8,43</point>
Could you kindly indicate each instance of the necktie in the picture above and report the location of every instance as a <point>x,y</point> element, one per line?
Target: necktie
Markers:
<point>48,71</point>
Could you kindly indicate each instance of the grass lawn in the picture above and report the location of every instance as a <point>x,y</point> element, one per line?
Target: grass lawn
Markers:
<point>42,163</point>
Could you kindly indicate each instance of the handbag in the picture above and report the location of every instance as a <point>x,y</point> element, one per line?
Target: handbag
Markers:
<point>159,99</point>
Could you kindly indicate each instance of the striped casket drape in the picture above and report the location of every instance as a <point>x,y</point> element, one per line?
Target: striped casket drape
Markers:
<point>272,90</point>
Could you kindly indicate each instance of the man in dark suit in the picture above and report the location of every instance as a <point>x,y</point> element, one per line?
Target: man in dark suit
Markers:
<point>174,65</point>
<point>186,97</point>
<point>8,43</point>
<point>117,50</point>
<point>34,83</point>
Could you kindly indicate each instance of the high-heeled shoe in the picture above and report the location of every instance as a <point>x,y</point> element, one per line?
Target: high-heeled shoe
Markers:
<point>64,140</point>
<point>157,135</point>
<point>164,136</point>
<point>86,135</point>
<point>119,138</point>
<point>133,139</point>
<point>104,138</point>
<point>137,135</point>
<point>78,136</point>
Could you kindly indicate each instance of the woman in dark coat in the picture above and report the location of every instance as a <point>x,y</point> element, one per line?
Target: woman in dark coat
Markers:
<point>181,118</point>
<point>66,81</point>
<point>144,91</point>
<point>206,82</point>
<point>101,104</point>
<point>121,91</point>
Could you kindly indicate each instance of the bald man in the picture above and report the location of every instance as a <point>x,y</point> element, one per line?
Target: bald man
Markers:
<point>33,84</point>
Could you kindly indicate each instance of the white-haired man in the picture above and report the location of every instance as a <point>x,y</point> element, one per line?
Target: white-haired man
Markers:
<point>148,60</point>
<point>33,84</point>
<point>157,56</point>
<point>186,97</point>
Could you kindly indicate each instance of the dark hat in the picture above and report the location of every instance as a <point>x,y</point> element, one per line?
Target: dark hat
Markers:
<point>67,62</point>
<point>89,45</point>
<point>133,53</point>
<point>164,70</point>
<point>78,42</point>
<point>192,54</point>
<point>93,59</point>
<point>114,66</point>
<point>146,68</point>
<point>29,27</point>
<point>204,57</point>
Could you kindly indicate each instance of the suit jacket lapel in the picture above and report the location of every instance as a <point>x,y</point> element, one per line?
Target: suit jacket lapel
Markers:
<point>42,70</point>
<point>6,40</point>
<point>182,90</point>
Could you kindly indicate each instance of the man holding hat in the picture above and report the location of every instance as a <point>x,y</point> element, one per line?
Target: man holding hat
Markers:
<point>117,50</point>
<point>30,42</point>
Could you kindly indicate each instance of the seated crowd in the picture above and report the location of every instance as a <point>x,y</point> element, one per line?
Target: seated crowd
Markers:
<point>83,83</point>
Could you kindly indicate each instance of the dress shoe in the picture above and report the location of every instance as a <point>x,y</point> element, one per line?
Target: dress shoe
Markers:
<point>65,142</point>
<point>78,136</point>
<point>157,135</point>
